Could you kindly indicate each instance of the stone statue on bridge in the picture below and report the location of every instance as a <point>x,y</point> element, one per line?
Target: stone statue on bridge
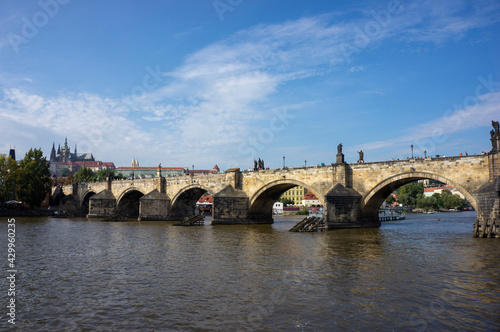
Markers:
<point>340,155</point>
<point>495,126</point>
<point>158,172</point>
<point>495,137</point>
<point>361,155</point>
<point>255,166</point>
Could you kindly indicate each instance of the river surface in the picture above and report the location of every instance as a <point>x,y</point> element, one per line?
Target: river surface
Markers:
<point>413,275</point>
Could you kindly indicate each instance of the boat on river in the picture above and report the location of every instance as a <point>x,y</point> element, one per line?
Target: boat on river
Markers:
<point>384,215</point>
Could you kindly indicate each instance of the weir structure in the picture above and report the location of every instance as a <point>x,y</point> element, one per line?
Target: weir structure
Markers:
<point>350,193</point>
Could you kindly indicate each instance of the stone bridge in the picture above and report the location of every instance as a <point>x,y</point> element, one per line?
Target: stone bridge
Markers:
<point>350,193</point>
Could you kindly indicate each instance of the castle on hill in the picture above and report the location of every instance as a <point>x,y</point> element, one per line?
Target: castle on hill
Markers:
<point>64,158</point>
<point>64,155</point>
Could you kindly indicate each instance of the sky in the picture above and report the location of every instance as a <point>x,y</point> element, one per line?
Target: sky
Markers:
<point>224,82</point>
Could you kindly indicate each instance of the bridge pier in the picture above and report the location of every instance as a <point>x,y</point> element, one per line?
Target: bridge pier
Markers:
<point>102,205</point>
<point>488,202</point>
<point>230,207</point>
<point>342,209</point>
<point>154,206</point>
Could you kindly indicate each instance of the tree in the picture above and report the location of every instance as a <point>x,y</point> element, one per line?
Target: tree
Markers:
<point>9,172</point>
<point>439,200</point>
<point>390,200</point>
<point>69,180</point>
<point>65,172</point>
<point>453,201</point>
<point>412,189</point>
<point>408,194</point>
<point>84,175</point>
<point>34,178</point>
<point>427,203</point>
<point>286,201</point>
<point>102,174</point>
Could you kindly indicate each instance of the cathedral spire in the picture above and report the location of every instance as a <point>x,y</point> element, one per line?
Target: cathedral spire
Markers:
<point>75,149</point>
<point>65,147</point>
<point>53,152</point>
<point>59,149</point>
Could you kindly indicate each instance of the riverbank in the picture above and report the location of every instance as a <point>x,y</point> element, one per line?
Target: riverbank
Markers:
<point>27,213</point>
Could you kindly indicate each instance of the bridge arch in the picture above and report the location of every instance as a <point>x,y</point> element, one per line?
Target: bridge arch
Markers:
<point>85,201</point>
<point>128,202</point>
<point>262,201</point>
<point>372,201</point>
<point>184,202</point>
<point>57,196</point>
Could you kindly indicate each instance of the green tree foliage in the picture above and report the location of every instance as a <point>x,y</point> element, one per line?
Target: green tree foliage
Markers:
<point>408,194</point>
<point>445,200</point>
<point>302,212</point>
<point>64,172</point>
<point>9,171</point>
<point>286,201</point>
<point>439,200</point>
<point>69,180</point>
<point>101,175</point>
<point>390,200</point>
<point>85,175</point>
<point>452,201</point>
<point>34,178</point>
<point>428,203</point>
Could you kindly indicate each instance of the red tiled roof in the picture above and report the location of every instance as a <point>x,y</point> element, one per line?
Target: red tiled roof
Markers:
<point>310,195</point>
<point>206,199</point>
<point>427,190</point>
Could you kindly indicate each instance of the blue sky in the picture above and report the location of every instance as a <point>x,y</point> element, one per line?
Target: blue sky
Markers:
<point>207,82</point>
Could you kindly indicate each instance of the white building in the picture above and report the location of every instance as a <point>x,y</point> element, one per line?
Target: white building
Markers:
<point>439,190</point>
<point>310,199</point>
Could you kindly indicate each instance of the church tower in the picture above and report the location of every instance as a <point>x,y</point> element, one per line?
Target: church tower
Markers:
<point>65,152</point>
<point>53,153</point>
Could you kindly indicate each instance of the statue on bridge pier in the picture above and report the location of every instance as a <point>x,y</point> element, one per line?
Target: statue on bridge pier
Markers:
<point>361,155</point>
<point>158,172</point>
<point>495,137</point>
<point>258,164</point>
<point>340,155</point>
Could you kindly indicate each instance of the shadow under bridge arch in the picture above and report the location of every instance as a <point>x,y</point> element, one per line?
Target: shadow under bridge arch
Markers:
<point>85,203</point>
<point>184,202</point>
<point>261,203</point>
<point>376,196</point>
<point>128,202</point>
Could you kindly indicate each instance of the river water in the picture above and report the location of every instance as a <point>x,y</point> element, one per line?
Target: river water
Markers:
<point>413,275</point>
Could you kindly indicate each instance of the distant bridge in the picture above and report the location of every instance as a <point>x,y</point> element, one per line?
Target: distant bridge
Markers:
<point>350,193</point>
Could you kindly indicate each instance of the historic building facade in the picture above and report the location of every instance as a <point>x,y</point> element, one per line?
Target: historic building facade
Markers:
<point>73,161</point>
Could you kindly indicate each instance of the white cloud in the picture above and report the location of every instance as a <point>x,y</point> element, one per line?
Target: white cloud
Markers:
<point>428,135</point>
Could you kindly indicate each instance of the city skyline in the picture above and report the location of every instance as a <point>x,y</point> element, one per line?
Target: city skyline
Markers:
<point>218,82</point>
